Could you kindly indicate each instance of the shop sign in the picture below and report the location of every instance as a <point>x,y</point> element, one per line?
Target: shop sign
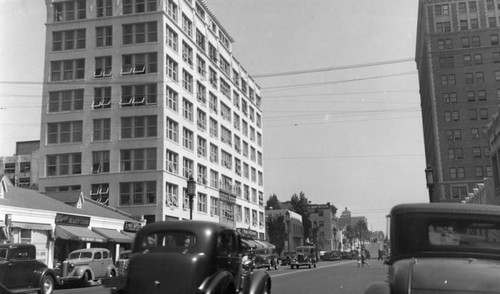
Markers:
<point>129,226</point>
<point>72,220</point>
<point>247,233</point>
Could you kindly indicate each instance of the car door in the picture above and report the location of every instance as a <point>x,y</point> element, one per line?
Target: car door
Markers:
<point>18,274</point>
<point>98,264</point>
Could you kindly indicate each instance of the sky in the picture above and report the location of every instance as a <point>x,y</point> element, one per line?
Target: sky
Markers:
<point>341,106</point>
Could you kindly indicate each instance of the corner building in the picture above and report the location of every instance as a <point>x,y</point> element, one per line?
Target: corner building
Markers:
<point>458,61</point>
<point>140,94</point>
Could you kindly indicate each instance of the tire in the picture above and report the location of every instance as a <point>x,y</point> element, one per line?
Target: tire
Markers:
<point>267,287</point>
<point>112,274</point>
<point>84,282</point>
<point>47,285</point>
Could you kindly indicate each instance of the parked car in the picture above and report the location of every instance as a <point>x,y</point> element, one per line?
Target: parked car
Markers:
<point>443,248</point>
<point>265,258</point>
<point>190,257</point>
<point>287,257</point>
<point>86,265</point>
<point>306,256</point>
<point>21,272</point>
<point>122,262</point>
<point>332,255</point>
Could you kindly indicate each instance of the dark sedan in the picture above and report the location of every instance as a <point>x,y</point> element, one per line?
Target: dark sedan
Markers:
<point>21,272</point>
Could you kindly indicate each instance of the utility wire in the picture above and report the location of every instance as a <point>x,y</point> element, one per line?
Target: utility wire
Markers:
<point>289,73</point>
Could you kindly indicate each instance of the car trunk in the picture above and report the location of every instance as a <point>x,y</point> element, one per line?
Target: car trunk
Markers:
<point>166,273</point>
<point>455,275</point>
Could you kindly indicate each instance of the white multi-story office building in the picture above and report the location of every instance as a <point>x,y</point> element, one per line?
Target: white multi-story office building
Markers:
<point>141,94</point>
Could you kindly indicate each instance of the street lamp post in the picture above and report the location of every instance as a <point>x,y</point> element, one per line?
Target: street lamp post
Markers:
<point>315,232</point>
<point>191,191</point>
<point>429,176</point>
<point>287,224</point>
<point>334,238</point>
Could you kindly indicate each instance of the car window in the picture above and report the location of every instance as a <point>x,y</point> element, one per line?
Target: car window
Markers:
<point>169,241</point>
<point>104,255</point>
<point>464,234</point>
<point>3,253</point>
<point>98,255</point>
<point>226,243</point>
<point>20,254</point>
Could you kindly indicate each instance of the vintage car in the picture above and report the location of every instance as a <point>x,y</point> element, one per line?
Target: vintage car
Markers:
<point>190,257</point>
<point>443,248</point>
<point>265,258</point>
<point>21,272</point>
<point>87,265</point>
<point>331,256</point>
<point>287,257</point>
<point>122,262</point>
<point>305,256</point>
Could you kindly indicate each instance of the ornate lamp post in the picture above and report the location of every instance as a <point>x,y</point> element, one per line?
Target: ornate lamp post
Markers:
<point>191,191</point>
<point>429,176</point>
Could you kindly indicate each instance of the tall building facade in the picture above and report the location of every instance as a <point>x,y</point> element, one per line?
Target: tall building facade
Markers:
<point>138,96</point>
<point>458,62</point>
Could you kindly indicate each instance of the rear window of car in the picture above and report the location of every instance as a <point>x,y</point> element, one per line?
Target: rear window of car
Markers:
<point>169,241</point>
<point>80,255</point>
<point>465,234</point>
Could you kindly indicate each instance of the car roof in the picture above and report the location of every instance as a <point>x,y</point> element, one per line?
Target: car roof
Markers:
<point>455,208</point>
<point>90,250</point>
<point>16,245</point>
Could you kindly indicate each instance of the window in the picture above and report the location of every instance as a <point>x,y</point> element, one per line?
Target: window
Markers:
<point>139,33</point>
<point>104,36</point>
<point>200,40</point>
<point>187,25</point>
<point>104,8</point>
<point>64,132</point>
<point>187,54</point>
<point>102,129</point>
<point>138,95</point>
<point>492,22</point>
<point>187,139</point>
<point>225,135</point>
<point>102,67</point>
<point>474,24</point>
<point>483,113</point>
<point>172,195</point>
<point>214,153</point>
<point>172,68</point>
<point>68,40</point>
<point>464,25</point>
<point>479,171</point>
<point>202,202</point>
<point>481,94</point>
<point>172,130</point>
<point>202,174</point>
<point>172,99</point>
<point>9,168</point>
<point>475,133</point>
<point>225,88</point>
<point>64,164</point>
<point>69,10</point>
<point>212,76</point>
<point>69,100</point>
<point>471,96</point>
<point>172,9</point>
<point>187,109</point>
<point>138,193</point>
<point>469,78</point>
<point>139,63</point>
<point>201,93</point>
<point>187,81</point>
<point>479,77</point>
<point>462,8</point>
<point>225,111</point>
<point>201,120</point>
<point>212,102</point>
<point>187,167</point>
<point>448,44</point>
<point>138,127</point>
<point>226,159</point>
<point>459,192</point>
<point>472,114</point>
<point>171,38</point>
<point>476,152</point>
<point>478,59</point>
<point>202,147</point>
<point>212,53</point>
<point>100,193</point>
<point>138,159</point>
<point>476,41</point>
<point>214,206</point>
<point>472,7</point>
<point>66,70</point>
<point>172,163</point>
<point>201,67</point>
<point>138,6</point>
<point>100,162</point>
<point>494,39</point>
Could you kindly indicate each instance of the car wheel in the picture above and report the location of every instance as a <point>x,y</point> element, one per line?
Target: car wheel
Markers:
<point>309,265</point>
<point>112,274</point>
<point>267,287</point>
<point>291,266</point>
<point>314,265</point>
<point>84,282</point>
<point>47,286</point>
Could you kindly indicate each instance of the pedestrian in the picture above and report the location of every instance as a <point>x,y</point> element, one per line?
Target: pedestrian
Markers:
<point>380,257</point>
<point>359,258</point>
<point>363,259</point>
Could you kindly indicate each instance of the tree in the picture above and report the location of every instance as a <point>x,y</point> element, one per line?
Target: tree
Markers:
<point>273,202</point>
<point>276,231</point>
<point>300,205</point>
<point>361,229</point>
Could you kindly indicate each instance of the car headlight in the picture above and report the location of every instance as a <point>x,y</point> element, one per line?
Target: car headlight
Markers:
<point>71,267</point>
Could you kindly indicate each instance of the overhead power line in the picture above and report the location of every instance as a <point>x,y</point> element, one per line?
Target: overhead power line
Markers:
<point>307,71</point>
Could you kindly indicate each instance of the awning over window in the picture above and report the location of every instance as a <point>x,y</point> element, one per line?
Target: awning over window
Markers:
<point>78,234</point>
<point>113,235</point>
<point>251,244</point>
<point>32,226</point>
<point>130,234</point>
<point>265,244</point>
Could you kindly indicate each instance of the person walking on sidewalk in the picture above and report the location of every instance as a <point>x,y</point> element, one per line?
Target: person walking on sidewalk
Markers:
<point>363,259</point>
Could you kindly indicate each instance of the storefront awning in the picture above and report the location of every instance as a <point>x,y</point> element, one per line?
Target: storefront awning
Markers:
<point>130,234</point>
<point>32,226</point>
<point>78,234</point>
<point>251,244</point>
<point>113,235</point>
<point>266,244</point>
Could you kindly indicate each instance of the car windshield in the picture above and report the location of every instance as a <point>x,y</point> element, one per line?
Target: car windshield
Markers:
<point>170,240</point>
<point>465,234</point>
<point>80,255</point>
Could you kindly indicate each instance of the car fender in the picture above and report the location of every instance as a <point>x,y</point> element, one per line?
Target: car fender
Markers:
<point>214,283</point>
<point>111,268</point>
<point>378,288</point>
<point>82,269</point>
<point>257,282</point>
<point>44,272</point>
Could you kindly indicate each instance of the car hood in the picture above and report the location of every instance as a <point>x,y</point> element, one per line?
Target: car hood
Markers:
<point>461,275</point>
<point>82,261</point>
<point>166,273</point>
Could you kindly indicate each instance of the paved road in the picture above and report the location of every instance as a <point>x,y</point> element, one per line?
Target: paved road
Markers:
<point>330,277</point>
